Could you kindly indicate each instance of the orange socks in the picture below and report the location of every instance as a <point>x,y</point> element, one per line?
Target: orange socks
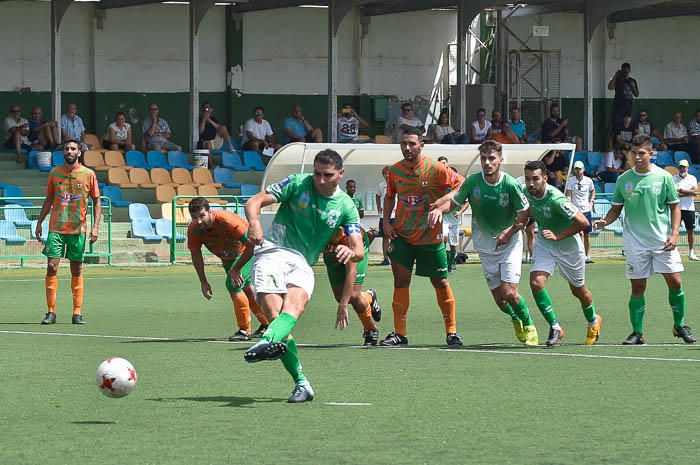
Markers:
<point>400,307</point>
<point>258,312</point>
<point>51,283</point>
<point>242,310</point>
<point>76,285</point>
<point>446,301</point>
<point>365,315</point>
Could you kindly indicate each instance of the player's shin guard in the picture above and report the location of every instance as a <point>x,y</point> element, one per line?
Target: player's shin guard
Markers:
<point>280,328</point>
<point>589,312</point>
<point>291,362</point>
<point>400,307</point>
<point>446,301</point>
<point>676,300</point>
<point>544,303</point>
<point>241,308</point>
<point>523,312</point>
<point>637,306</point>
<point>76,286</point>
<point>365,315</point>
<point>258,312</point>
<point>51,284</point>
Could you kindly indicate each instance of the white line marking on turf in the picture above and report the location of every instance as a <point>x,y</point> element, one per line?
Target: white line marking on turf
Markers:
<point>93,278</point>
<point>348,404</point>
<point>480,351</point>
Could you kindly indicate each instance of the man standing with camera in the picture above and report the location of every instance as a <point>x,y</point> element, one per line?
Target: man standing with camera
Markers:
<point>626,89</point>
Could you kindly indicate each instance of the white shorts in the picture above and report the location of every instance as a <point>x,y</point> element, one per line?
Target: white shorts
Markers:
<point>643,263</point>
<point>503,266</point>
<point>450,230</point>
<point>277,267</point>
<point>571,265</point>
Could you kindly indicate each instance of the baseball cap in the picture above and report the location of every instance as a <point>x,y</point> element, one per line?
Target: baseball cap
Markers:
<point>683,162</point>
<point>579,164</point>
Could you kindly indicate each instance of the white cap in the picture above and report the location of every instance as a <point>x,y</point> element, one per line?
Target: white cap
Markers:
<point>579,164</point>
<point>683,162</point>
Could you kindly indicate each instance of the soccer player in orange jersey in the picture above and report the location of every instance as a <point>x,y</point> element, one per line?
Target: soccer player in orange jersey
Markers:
<point>67,192</point>
<point>225,234</point>
<point>415,182</point>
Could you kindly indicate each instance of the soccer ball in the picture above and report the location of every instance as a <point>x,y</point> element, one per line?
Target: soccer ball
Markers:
<point>116,377</point>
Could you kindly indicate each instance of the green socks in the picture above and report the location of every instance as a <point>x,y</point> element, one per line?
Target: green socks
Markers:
<point>522,312</point>
<point>280,328</point>
<point>508,310</point>
<point>451,255</point>
<point>637,305</point>
<point>290,360</point>
<point>544,303</point>
<point>589,313</point>
<point>677,301</point>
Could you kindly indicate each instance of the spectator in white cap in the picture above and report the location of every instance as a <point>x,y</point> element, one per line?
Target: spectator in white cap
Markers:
<point>581,192</point>
<point>687,186</point>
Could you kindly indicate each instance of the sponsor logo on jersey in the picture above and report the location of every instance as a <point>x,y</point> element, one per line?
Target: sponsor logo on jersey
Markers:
<point>332,218</point>
<point>476,193</point>
<point>503,199</point>
<point>629,186</point>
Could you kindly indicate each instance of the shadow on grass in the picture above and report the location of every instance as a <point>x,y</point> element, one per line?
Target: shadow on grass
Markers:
<point>178,341</point>
<point>226,401</point>
<point>94,422</point>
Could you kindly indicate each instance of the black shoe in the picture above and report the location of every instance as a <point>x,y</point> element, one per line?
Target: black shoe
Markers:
<point>376,309</point>
<point>301,393</point>
<point>634,339</point>
<point>49,319</point>
<point>451,269</point>
<point>78,320</point>
<point>265,350</point>
<point>259,332</point>
<point>371,337</point>
<point>684,333</point>
<point>393,340</point>
<point>240,335</point>
<point>555,336</point>
<point>454,339</point>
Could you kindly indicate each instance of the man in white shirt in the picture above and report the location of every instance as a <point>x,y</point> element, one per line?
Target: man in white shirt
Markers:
<point>16,132</point>
<point>408,120</point>
<point>687,186</point>
<point>676,134</point>
<point>379,200</point>
<point>581,192</point>
<point>257,133</point>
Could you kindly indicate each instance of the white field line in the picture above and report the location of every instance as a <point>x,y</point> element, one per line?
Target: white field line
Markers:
<point>480,351</point>
<point>348,404</point>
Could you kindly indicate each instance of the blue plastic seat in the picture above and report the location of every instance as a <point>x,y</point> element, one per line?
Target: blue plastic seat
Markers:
<point>15,191</point>
<point>137,159</point>
<point>115,196</point>
<point>609,187</point>
<point>253,160</point>
<point>598,186</point>
<point>233,160</point>
<point>248,190</point>
<point>164,227</point>
<point>32,160</point>
<point>156,159</point>
<point>143,229</point>
<point>8,233</point>
<point>595,159</point>
<point>225,177</point>
<point>57,158</point>
<point>44,230</point>
<point>139,211</point>
<point>664,158</point>
<point>179,160</point>
<point>681,155</point>
<point>17,215</point>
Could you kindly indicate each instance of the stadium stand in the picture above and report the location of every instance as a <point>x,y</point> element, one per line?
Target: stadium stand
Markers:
<point>44,230</point>
<point>115,196</point>
<point>139,211</point>
<point>165,193</point>
<point>155,158</point>
<point>164,227</point>
<point>143,229</point>
<point>93,141</point>
<point>664,158</point>
<point>209,190</point>
<point>203,176</point>
<point>118,177</point>
<point>179,159</point>
<point>225,177</point>
<point>160,177</point>
<point>252,160</point>
<point>115,159</point>
<point>233,160</point>
<point>93,160</point>
<point>16,191</point>
<point>182,176</point>
<point>8,233</point>
<point>140,177</point>
<point>17,215</point>
<point>249,189</point>
<point>137,159</point>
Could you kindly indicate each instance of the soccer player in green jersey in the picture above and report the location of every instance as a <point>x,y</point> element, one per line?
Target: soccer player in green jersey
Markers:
<point>312,207</point>
<point>351,190</point>
<point>499,212</point>
<point>649,236</point>
<point>558,245</point>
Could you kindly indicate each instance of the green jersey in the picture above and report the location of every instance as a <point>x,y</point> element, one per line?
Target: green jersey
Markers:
<point>306,220</point>
<point>358,202</point>
<point>554,212</point>
<point>646,197</point>
<point>494,207</point>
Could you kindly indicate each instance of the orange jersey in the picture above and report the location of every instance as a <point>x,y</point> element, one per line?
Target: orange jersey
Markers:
<point>415,189</point>
<point>226,238</point>
<point>70,192</point>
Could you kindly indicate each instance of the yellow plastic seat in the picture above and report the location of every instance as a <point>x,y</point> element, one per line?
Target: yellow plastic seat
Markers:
<point>140,176</point>
<point>115,159</point>
<point>93,160</point>
<point>202,176</point>
<point>672,169</point>
<point>118,177</point>
<point>165,194</point>
<point>207,190</point>
<point>94,141</point>
<point>182,176</point>
<point>160,176</point>
<point>186,189</point>
<point>382,139</point>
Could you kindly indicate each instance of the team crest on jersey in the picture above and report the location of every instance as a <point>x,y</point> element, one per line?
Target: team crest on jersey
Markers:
<point>424,183</point>
<point>503,199</point>
<point>656,187</point>
<point>332,218</point>
<point>547,212</point>
<point>304,200</point>
<point>629,186</point>
<point>476,193</point>
<point>412,200</point>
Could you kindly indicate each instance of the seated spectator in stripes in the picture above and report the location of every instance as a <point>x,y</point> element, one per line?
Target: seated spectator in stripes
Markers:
<point>644,126</point>
<point>156,131</point>
<point>694,137</point>
<point>443,133</point>
<point>72,127</point>
<point>480,129</point>
<point>119,134</point>
<point>257,133</point>
<point>212,134</point>
<point>555,130</point>
<point>298,129</point>
<point>517,125</point>
<point>614,164</point>
<point>16,132</point>
<point>349,124</point>
<point>676,134</point>
<point>500,130</point>
<point>42,134</point>
<point>625,132</point>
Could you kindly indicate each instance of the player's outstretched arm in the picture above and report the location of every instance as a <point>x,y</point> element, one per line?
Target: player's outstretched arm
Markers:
<point>198,263</point>
<point>45,209</point>
<point>253,208</point>
<point>341,321</point>
<point>444,203</point>
<point>610,217</point>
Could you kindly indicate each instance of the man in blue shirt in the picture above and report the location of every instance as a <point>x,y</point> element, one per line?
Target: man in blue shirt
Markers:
<point>72,126</point>
<point>517,125</point>
<point>297,129</point>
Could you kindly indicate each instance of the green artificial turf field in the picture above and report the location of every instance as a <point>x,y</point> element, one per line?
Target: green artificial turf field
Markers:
<point>198,402</point>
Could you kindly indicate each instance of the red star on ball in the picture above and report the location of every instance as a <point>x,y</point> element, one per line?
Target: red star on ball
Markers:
<point>107,383</point>
<point>132,375</point>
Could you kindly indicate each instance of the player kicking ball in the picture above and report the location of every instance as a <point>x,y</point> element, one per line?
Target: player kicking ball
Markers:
<point>558,245</point>
<point>311,210</point>
<point>225,235</point>
<point>649,237</point>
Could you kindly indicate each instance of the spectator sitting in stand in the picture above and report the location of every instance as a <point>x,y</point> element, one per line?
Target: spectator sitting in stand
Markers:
<point>257,133</point>
<point>119,134</point>
<point>42,134</point>
<point>500,130</point>
<point>614,164</point>
<point>72,127</point>
<point>442,132</point>
<point>557,168</point>
<point>480,129</point>
<point>156,131</point>
<point>556,130</point>
<point>676,134</point>
<point>212,134</point>
<point>349,124</point>
<point>694,137</point>
<point>407,120</point>
<point>624,133</point>
<point>517,125</point>
<point>644,126</point>
<point>297,129</point>
<point>16,132</point>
